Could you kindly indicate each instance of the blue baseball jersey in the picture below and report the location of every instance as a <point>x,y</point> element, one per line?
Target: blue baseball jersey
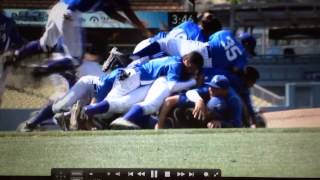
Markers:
<point>186,30</point>
<point>9,36</point>
<point>192,30</point>
<point>183,100</point>
<point>84,5</point>
<point>236,83</point>
<point>226,52</point>
<point>170,66</point>
<point>233,106</point>
<point>158,36</point>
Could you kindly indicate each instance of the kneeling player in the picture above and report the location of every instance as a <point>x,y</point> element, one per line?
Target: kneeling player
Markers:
<point>217,87</point>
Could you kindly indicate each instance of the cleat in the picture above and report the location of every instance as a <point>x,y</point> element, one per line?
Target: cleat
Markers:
<point>4,61</point>
<point>115,58</point>
<point>75,116</point>
<point>98,124</point>
<point>8,58</point>
<point>122,124</point>
<point>63,120</point>
<point>26,127</point>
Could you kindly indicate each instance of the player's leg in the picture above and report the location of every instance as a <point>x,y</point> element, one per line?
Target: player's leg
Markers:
<point>110,106</point>
<point>173,47</point>
<point>115,85</point>
<point>122,104</point>
<point>134,118</point>
<point>32,123</point>
<point>55,66</point>
<point>70,31</point>
<point>141,45</point>
<point>83,90</point>
<point>72,35</point>
<point>47,41</point>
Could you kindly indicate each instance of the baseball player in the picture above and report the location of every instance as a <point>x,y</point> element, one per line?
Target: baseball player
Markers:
<point>222,51</point>
<point>177,72</point>
<point>157,94</point>
<point>218,87</point>
<point>9,38</point>
<point>216,110</point>
<point>64,21</point>
<point>242,84</point>
<point>9,35</point>
<point>89,66</point>
<point>249,42</point>
<point>188,30</point>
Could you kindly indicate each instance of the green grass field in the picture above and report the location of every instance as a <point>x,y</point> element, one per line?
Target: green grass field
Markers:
<point>237,152</point>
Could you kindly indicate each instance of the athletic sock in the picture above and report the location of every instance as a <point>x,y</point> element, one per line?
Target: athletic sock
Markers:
<point>135,114</point>
<point>97,108</point>
<point>44,114</point>
<point>54,66</point>
<point>30,48</point>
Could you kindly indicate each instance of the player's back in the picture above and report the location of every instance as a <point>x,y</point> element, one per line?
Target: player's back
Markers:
<point>153,69</point>
<point>226,51</point>
<point>187,30</point>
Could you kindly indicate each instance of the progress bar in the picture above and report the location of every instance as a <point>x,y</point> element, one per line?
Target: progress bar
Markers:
<point>125,173</point>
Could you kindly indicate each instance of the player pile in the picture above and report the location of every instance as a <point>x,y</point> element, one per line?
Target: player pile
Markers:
<point>194,76</point>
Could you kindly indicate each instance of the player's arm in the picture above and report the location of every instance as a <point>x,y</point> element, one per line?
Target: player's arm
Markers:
<point>248,103</point>
<point>125,7</point>
<point>93,100</point>
<point>213,122</point>
<point>169,103</point>
<point>175,76</point>
<point>235,112</point>
<point>200,108</point>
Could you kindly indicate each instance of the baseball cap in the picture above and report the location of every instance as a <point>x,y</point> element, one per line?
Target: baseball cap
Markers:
<point>248,41</point>
<point>219,81</point>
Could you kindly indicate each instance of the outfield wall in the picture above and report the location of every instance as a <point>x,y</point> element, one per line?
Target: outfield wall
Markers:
<point>11,118</point>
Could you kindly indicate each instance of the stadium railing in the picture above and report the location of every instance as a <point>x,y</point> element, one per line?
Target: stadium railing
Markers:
<point>268,96</point>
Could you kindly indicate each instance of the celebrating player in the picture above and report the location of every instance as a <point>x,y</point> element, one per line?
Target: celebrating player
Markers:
<point>89,66</point>
<point>9,38</point>
<point>121,82</point>
<point>64,21</point>
<point>219,86</point>
<point>207,25</point>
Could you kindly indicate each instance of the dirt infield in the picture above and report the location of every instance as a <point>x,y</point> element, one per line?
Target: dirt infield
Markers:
<point>293,118</point>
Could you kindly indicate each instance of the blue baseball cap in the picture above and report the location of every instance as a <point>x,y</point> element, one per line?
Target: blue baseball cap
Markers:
<point>248,41</point>
<point>219,81</point>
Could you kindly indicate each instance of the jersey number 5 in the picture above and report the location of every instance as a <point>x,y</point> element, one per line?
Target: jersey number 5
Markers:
<point>232,51</point>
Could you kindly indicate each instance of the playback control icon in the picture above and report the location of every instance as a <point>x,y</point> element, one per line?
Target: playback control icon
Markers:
<point>125,173</point>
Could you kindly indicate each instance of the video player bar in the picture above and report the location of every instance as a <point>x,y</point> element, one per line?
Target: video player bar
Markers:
<point>124,173</point>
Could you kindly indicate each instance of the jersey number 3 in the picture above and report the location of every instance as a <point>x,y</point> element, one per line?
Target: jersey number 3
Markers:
<point>232,51</point>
